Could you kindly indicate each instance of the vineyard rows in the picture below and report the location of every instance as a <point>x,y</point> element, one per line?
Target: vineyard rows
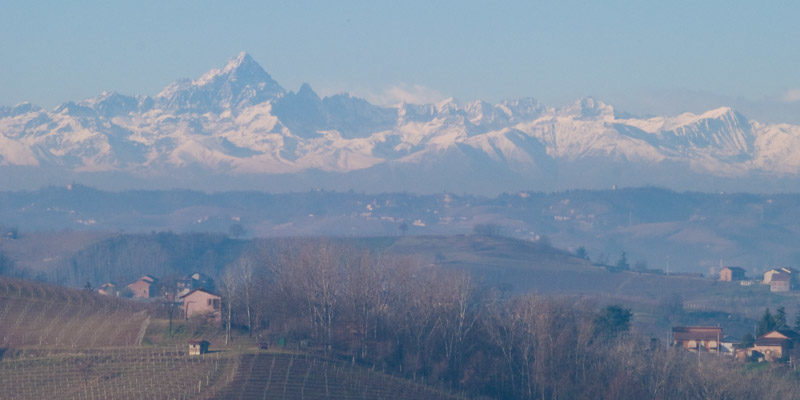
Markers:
<point>286,376</point>
<point>33,314</point>
<point>112,374</point>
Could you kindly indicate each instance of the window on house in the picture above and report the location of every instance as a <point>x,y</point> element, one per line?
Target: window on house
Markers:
<point>216,304</point>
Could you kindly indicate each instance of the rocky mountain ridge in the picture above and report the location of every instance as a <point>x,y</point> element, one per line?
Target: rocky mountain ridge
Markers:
<point>237,122</point>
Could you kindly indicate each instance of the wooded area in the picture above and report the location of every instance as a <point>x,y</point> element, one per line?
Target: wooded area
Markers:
<point>437,326</point>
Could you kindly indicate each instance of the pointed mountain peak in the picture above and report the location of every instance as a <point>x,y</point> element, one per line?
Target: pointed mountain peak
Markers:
<point>721,113</point>
<point>241,67</point>
<point>306,91</point>
<point>718,113</point>
<point>243,60</point>
<point>240,83</point>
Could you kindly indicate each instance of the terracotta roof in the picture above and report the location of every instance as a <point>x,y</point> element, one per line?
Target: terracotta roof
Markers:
<point>782,333</point>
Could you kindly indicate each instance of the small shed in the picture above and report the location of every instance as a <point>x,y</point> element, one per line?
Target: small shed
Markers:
<point>198,346</point>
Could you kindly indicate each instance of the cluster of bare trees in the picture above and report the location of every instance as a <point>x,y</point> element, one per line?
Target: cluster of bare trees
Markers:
<point>437,325</point>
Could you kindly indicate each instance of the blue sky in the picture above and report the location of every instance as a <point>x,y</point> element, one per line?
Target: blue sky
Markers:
<point>642,56</point>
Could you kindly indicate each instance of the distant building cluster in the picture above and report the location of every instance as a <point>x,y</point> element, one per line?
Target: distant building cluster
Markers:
<point>777,345</point>
<point>779,279</point>
<point>194,293</point>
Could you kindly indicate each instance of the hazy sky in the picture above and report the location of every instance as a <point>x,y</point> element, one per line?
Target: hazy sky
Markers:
<point>645,56</point>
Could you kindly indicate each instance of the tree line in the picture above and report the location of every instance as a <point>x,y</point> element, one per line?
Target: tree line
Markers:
<point>439,326</point>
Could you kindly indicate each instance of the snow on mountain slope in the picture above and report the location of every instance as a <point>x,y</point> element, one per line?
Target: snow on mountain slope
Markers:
<point>237,120</point>
<point>777,148</point>
<point>241,83</point>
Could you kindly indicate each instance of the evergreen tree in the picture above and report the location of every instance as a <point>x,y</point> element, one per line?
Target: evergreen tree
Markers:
<point>797,321</point>
<point>780,318</point>
<point>582,253</point>
<point>767,323</point>
<point>612,321</point>
<point>748,340</point>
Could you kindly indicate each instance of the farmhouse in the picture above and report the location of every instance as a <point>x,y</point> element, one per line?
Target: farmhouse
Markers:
<point>144,288</point>
<point>202,302</point>
<point>774,345</point>
<point>697,338</point>
<point>780,282</point>
<point>729,274</point>
<point>769,275</point>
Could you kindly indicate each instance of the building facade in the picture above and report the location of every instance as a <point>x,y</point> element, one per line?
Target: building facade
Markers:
<point>200,302</point>
<point>697,338</point>
<point>729,274</point>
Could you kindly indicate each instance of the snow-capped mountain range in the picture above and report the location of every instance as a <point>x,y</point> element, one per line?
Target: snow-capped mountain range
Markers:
<point>235,127</point>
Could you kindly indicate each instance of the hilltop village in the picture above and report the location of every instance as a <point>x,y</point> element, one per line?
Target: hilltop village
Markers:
<point>779,279</point>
